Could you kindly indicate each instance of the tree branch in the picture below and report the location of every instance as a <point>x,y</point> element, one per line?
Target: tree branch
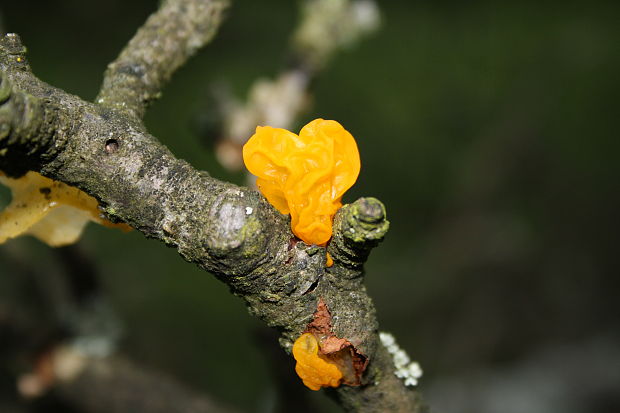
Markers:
<point>169,37</point>
<point>64,332</point>
<point>225,229</point>
<point>116,384</point>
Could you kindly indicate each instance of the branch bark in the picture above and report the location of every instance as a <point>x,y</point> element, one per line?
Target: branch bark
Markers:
<point>230,231</point>
<point>169,37</point>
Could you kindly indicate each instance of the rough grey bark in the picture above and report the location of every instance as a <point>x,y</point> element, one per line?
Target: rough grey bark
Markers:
<point>104,149</point>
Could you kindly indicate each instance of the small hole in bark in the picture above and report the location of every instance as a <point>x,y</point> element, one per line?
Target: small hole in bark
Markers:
<point>111,145</point>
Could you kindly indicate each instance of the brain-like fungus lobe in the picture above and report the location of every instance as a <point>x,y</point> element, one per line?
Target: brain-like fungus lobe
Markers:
<point>323,359</point>
<point>304,175</point>
<point>314,369</point>
<point>51,211</point>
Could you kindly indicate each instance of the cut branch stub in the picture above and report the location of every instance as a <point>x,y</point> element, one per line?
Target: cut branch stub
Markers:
<point>358,228</point>
<point>13,52</point>
<point>24,117</point>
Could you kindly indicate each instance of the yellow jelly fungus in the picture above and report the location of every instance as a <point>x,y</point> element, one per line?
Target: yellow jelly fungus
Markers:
<point>329,261</point>
<point>314,370</point>
<point>49,210</point>
<point>306,174</point>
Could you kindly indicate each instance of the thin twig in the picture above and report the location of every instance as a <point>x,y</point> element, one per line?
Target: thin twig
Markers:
<point>163,44</point>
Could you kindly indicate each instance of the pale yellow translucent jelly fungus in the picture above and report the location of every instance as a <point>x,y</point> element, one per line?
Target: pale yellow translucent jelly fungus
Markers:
<point>306,174</point>
<point>314,370</point>
<point>51,211</point>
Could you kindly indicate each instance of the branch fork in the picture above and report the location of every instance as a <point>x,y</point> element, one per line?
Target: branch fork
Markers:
<point>104,149</point>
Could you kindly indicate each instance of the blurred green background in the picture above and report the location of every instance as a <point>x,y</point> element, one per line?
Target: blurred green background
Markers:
<point>489,130</point>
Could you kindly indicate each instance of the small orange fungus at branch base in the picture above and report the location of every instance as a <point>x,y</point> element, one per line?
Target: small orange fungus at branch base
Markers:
<point>314,370</point>
<point>51,211</point>
<point>329,261</point>
<point>304,175</point>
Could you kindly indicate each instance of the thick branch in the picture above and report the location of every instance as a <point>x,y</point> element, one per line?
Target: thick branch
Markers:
<point>163,44</point>
<point>228,230</point>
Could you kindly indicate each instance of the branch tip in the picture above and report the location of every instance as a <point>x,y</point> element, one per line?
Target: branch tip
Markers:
<point>358,228</point>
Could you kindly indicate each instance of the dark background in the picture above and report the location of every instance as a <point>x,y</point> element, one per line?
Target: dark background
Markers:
<point>489,130</point>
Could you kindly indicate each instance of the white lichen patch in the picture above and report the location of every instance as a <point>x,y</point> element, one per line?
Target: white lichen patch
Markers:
<point>232,218</point>
<point>407,370</point>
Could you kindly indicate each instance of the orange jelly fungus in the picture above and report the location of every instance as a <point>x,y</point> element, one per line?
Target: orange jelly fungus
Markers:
<point>329,260</point>
<point>53,212</point>
<point>314,370</point>
<point>306,174</point>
